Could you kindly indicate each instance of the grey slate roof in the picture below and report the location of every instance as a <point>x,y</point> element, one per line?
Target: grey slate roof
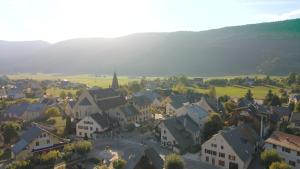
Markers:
<point>98,93</point>
<point>193,108</point>
<point>36,107</point>
<point>295,117</point>
<point>142,101</point>
<point>188,123</point>
<point>85,102</point>
<point>17,109</point>
<point>153,157</point>
<point>244,103</point>
<point>102,120</point>
<point>111,103</point>
<point>242,139</point>
<point>178,131</point>
<point>178,100</point>
<point>129,110</point>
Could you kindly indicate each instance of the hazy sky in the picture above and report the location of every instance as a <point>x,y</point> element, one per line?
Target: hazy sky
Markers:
<point>56,20</point>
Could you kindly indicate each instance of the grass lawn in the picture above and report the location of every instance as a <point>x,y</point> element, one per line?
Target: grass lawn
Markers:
<point>259,92</point>
<point>60,124</point>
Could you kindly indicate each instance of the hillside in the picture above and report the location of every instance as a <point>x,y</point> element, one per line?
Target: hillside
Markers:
<point>272,48</point>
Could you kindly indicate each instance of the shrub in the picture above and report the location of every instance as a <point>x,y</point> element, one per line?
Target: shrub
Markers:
<point>173,161</point>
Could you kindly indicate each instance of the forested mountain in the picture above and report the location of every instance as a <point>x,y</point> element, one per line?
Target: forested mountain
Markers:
<point>272,48</point>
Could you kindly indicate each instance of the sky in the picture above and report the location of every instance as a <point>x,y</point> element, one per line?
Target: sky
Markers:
<point>57,20</point>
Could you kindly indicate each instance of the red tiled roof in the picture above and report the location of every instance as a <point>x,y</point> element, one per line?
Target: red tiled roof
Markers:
<point>285,140</point>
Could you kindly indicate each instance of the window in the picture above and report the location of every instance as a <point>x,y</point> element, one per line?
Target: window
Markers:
<point>91,128</point>
<point>37,143</point>
<point>292,163</point>
<point>287,150</point>
<point>80,133</point>
<point>44,135</point>
<point>48,141</point>
<point>214,153</point>
<point>274,146</point>
<point>164,131</point>
<point>231,157</point>
<point>222,155</point>
<point>207,159</point>
<point>214,145</point>
<point>222,147</point>
<point>221,163</point>
<point>298,153</point>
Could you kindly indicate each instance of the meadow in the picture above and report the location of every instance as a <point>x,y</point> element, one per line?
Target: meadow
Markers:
<point>259,92</point>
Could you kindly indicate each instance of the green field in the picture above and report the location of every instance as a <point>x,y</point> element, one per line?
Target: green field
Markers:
<point>90,80</point>
<point>56,91</point>
<point>259,92</point>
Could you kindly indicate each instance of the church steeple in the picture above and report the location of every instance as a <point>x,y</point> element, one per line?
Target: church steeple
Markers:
<point>115,83</point>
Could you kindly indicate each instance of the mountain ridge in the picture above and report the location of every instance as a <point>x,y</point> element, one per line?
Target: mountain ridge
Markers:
<point>271,48</point>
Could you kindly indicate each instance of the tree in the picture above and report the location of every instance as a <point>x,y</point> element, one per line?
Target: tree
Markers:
<point>291,78</point>
<point>269,156</point>
<point>52,112</point>
<point>212,92</point>
<point>62,94</point>
<point>212,126</point>
<point>249,96</point>
<point>292,106</point>
<point>10,131</point>
<point>119,163</point>
<point>83,147</point>
<point>180,88</point>
<point>134,87</point>
<point>70,95</point>
<point>78,93</point>
<point>279,165</point>
<point>268,98</point>
<point>68,127</point>
<point>297,107</point>
<point>284,97</point>
<point>103,167</point>
<point>50,157</point>
<point>20,164</point>
<point>275,101</point>
<point>173,161</point>
<point>230,105</point>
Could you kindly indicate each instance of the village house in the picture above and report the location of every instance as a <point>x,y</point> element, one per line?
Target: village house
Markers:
<point>174,103</point>
<point>25,111</point>
<point>127,114</point>
<point>3,94</point>
<point>92,124</point>
<point>231,148</point>
<point>37,139</point>
<point>294,98</point>
<point>280,114</point>
<point>210,105</point>
<point>179,133</point>
<point>15,93</point>
<point>195,112</point>
<point>287,146</point>
<point>295,120</point>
